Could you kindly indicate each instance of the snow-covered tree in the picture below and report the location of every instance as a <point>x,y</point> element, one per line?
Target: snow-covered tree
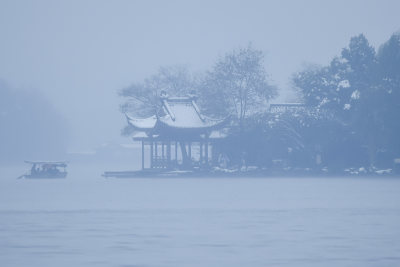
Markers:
<point>389,76</point>
<point>352,89</point>
<point>341,84</point>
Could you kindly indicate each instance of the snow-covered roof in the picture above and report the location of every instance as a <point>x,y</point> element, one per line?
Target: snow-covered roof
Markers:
<point>53,163</point>
<point>184,113</point>
<point>180,113</point>
<point>144,124</point>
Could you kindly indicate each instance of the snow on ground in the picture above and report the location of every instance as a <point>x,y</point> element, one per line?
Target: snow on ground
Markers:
<point>86,220</point>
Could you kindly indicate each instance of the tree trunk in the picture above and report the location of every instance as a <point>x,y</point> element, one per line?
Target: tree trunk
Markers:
<point>371,151</point>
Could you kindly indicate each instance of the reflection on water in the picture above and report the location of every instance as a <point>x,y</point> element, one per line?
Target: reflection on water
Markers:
<point>200,222</point>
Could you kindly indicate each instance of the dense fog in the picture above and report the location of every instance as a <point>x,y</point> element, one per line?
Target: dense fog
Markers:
<point>63,65</point>
<point>199,133</point>
<point>31,127</point>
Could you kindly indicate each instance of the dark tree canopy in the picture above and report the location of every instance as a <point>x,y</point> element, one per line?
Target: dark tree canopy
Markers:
<point>389,76</point>
<point>360,88</point>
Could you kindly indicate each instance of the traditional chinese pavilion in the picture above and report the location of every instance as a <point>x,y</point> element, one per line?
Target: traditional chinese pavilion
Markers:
<point>180,138</point>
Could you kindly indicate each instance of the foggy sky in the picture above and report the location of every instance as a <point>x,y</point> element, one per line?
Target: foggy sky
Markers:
<point>79,53</point>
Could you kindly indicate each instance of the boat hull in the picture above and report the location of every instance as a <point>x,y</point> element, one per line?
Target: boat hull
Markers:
<point>46,176</point>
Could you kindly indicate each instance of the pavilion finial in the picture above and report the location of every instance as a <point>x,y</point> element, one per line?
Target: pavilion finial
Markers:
<point>163,94</point>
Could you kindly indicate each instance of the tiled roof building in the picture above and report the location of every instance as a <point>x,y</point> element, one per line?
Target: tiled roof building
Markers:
<point>180,125</point>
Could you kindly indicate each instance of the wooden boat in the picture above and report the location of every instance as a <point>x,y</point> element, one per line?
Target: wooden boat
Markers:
<point>46,169</point>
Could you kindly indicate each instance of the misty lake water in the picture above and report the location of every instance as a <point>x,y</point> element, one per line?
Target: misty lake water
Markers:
<point>87,220</point>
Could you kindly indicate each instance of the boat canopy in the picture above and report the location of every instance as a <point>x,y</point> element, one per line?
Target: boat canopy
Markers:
<point>52,163</point>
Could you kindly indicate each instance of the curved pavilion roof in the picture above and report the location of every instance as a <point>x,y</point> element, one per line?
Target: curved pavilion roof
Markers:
<point>181,114</point>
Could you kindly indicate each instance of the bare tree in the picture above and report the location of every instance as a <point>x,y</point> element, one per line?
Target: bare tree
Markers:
<point>238,84</point>
<point>143,97</point>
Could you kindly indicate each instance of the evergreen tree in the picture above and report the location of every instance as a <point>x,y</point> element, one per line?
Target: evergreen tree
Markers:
<point>389,77</point>
<point>348,88</point>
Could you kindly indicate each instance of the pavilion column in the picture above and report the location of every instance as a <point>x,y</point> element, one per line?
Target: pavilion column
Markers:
<point>190,151</point>
<point>185,157</point>
<point>163,154</point>
<point>214,153</point>
<point>169,154</point>
<point>211,154</point>
<point>206,150</point>
<point>156,153</point>
<point>176,152</point>
<point>201,152</point>
<point>151,154</point>
<point>142,154</point>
